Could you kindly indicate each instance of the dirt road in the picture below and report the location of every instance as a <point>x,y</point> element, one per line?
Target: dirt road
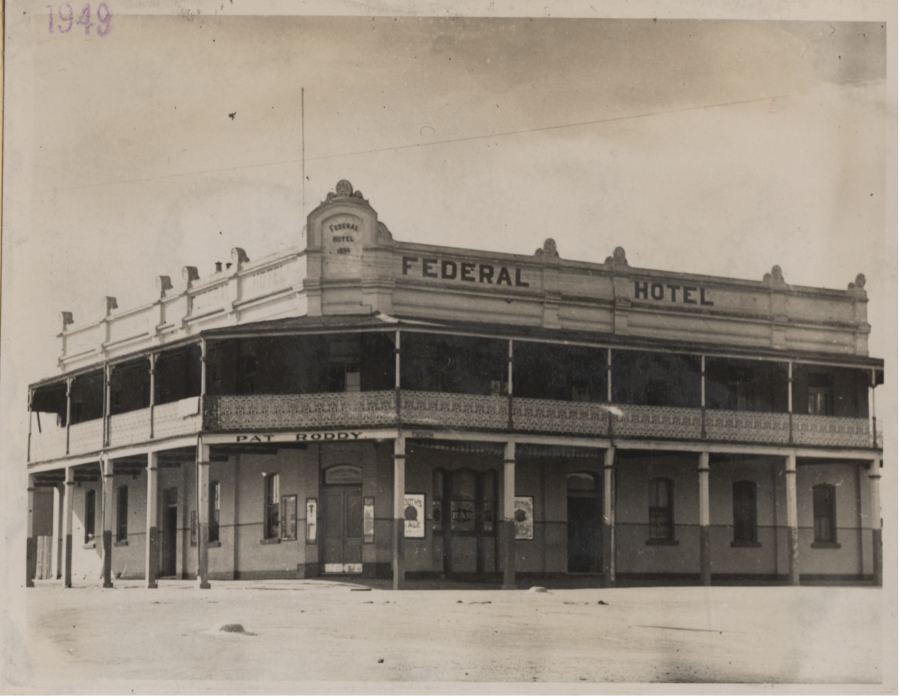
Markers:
<point>312,631</point>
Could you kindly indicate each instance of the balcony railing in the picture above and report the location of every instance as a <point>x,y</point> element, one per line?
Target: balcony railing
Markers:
<point>813,430</point>
<point>454,410</point>
<point>129,427</point>
<point>176,418</point>
<point>451,410</point>
<point>248,412</point>
<point>86,437</point>
<point>658,422</point>
<point>754,427</point>
<point>560,417</point>
<point>47,444</point>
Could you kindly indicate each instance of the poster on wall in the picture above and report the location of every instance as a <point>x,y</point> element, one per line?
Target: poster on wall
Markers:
<point>524,518</point>
<point>368,519</point>
<point>414,515</point>
<point>311,514</point>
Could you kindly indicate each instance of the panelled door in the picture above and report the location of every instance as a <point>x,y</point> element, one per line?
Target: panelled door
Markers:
<point>343,529</point>
<point>169,540</point>
<point>584,514</point>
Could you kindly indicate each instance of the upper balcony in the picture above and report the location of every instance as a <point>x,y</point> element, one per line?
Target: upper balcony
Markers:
<point>350,380</point>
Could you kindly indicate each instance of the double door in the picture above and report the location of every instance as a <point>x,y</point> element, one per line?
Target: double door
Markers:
<point>343,529</point>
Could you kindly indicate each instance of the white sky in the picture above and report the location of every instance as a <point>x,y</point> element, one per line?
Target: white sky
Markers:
<point>716,147</point>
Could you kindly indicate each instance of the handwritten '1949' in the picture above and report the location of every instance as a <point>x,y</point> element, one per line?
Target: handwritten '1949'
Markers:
<point>84,19</point>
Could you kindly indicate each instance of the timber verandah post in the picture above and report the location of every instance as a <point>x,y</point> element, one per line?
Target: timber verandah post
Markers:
<point>609,552</point>
<point>790,388</point>
<point>28,452</point>
<point>399,514</point>
<point>152,389</point>
<point>508,525</point>
<point>106,477</point>
<point>202,514</point>
<point>509,386</point>
<point>790,476</point>
<point>68,494</point>
<point>151,565</point>
<point>201,406</point>
<point>397,395</point>
<point>873,385</point>
<point>705,558</point>
<point>107,379</point>
<point>875,496</point>
<point>31,542</point>
<point>703,396</point>
<point>69,381</point>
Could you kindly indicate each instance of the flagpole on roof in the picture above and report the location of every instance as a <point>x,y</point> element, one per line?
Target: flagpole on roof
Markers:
<point>303,153</point>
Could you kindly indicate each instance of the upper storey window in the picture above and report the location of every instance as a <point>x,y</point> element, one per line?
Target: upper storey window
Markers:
<point>753,386</point>
<point>301,364</point>
<point>129,387</point>
<point>831,391</point>
<point>451,364</point>
<point>177,374</point>
<point>655,378</point>
<point>559,372</point>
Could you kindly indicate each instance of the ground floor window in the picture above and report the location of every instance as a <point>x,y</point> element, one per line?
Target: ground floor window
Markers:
<point>824,514</point>
<point>744,505</point>
<point>662,519</point>
<point>90,514</point>
<point>214,507</point>
<point>272,506</point>
<point>122,513</point>
<point>289,517</point>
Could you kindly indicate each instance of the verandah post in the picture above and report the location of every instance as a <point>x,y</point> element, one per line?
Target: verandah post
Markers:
<point>508,525</point>
<point>399,515</point>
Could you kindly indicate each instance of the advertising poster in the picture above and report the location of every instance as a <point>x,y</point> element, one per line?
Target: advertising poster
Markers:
<point>414,515</point>
<point>524,518</point>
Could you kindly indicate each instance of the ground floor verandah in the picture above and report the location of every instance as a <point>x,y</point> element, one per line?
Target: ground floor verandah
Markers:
<point>449,508</point>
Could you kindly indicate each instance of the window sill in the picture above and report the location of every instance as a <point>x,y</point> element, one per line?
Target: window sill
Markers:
<point>661,542</point>
<point>269,541</point>
<point>746,544</point>
<point>120,543</point>
<point>214,544</point>
<point>832,546</point>
<point>90,546</point>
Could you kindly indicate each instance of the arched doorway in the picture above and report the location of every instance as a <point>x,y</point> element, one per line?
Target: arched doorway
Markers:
<point>342,537</point>
<point>585,551</point>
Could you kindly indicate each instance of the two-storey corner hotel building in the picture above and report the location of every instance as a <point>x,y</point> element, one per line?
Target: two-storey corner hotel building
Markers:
<point>365,406</point>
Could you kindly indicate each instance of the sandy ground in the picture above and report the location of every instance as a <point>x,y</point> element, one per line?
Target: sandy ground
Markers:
<point>312,631</point>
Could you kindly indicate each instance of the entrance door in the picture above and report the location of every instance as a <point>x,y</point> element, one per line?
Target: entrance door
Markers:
<point>343,529</point>
<point>583,524</point>
<point>467,516</point>
<point>169,539</point>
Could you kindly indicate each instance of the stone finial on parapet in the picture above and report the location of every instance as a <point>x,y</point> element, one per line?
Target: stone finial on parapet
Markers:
<point>190,275</point>
<point>775,278</point>
<point>618,257</point>
<point>238,258</point>
<point>382,233</point>
<point>109,304</point>
<point>67,319</point>
<point>548,250</point>
<point>859,283</point>
<point>343,190</point>
<point>163,284</point>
